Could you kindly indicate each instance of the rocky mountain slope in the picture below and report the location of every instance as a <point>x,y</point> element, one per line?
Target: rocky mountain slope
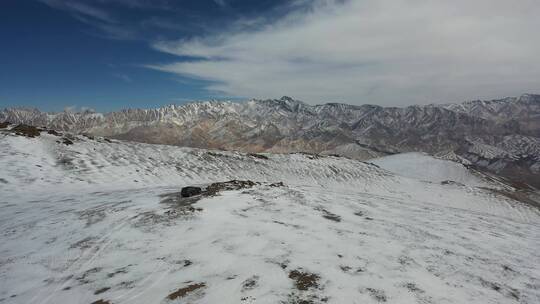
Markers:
<point>499,135</point>
<point>96,221</point>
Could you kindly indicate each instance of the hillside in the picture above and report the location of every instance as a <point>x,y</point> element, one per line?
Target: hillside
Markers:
<point>91,220</point>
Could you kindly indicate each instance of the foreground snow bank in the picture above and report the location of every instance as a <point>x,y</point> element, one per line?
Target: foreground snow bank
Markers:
<point>91,221</point>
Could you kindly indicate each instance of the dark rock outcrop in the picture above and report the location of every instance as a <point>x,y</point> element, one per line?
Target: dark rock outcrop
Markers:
<point>214,188</point>
<point>190,191</point>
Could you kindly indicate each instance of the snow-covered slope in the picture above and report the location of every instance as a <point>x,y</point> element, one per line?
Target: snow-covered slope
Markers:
<point>88,222</point>
<point>424,167</point>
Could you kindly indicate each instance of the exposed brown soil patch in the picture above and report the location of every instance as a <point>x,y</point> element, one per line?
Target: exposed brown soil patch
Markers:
<point>304,280</point>
<point>4,125</point>
<point>182,292</point>
<point>101,301</point>
<point>26,130</point>
<point>229,185</point>
<point>295,298</point>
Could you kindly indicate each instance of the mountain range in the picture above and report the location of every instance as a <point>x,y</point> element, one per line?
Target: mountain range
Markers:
<point>501,136</point>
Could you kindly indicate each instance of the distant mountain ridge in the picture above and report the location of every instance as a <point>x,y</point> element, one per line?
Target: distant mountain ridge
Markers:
<point>500,135</point>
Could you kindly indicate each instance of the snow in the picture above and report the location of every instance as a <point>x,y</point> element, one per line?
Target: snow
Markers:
<point>425,167</point>
<point>89,218</point>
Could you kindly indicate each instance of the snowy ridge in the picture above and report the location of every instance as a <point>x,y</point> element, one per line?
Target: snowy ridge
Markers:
<point>504,131</point>
<point>91,163</point>
<point>509,108</point>
<point>94,162</point>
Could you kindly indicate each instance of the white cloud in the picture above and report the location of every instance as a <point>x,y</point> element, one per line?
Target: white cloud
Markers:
<point>96,16</point>
<point>77,109</point>
<point>81,9</point>
<point>389,52</point>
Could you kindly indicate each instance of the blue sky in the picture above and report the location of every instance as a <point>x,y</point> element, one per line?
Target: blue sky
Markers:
<point>57,54</point>
<point>112,54</point>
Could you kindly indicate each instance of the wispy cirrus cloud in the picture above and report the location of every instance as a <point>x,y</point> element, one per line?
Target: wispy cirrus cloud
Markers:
<point>81,9</point>
<point>389,52</point>
<point>77,109</point>
<point>99,15</point>
<point>94,16</point>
